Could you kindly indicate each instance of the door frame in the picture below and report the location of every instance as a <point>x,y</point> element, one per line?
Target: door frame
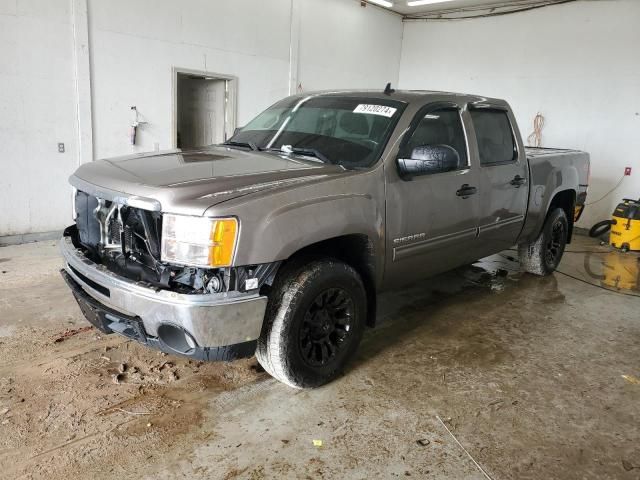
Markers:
<point>519,160</point>
<point>418,242</point>
<point>231,99</point>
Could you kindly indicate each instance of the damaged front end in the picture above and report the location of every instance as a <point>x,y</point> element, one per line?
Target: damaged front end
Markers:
<point>124,239</point>
<point>125,271</point>
<point>128,241</point>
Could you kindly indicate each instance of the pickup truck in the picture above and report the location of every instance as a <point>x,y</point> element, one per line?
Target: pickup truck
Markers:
<point>277,242</point>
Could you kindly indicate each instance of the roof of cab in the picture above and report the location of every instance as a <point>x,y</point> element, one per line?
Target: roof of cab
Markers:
<point>406,96</point>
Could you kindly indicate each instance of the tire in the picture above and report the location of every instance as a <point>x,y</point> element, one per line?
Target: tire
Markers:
<point>543,256</point>
<point>314,322</point>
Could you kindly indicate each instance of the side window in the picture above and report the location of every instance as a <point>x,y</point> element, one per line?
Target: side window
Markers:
<point>440,127</point>
<point>495,136</point>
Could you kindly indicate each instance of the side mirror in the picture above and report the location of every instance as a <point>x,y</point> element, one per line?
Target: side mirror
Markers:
<point>429,159</point>
<point>237,130</point>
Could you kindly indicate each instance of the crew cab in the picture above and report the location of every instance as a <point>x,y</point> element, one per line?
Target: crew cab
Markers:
<point>277,242</point>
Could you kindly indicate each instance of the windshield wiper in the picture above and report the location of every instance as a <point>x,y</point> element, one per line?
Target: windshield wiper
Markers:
<point>233,143</point>
<point>305,152</point>
<point>308,152</point>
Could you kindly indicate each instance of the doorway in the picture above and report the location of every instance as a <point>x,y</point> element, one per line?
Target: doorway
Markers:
<point>204,111</point>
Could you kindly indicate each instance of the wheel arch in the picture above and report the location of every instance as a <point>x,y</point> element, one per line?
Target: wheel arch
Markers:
<point>554,183</point>
<point>566,200</point>
<point>357,251</point>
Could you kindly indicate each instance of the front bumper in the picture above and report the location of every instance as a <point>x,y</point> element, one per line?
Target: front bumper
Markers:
<point>230,321</point>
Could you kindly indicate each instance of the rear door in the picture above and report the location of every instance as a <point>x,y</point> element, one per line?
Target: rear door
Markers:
<point>502,177</point>
<point>431,224</point>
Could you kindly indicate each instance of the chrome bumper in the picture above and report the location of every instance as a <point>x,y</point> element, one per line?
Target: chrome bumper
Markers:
<point>212,320</point>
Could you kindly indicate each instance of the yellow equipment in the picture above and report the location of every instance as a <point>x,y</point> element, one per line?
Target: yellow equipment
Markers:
<point>625,226</point>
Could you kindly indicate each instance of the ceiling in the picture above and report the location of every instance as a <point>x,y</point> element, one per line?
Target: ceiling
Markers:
<point>400,6</point>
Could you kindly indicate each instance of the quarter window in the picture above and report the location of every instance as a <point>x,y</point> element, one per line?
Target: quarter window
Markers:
<point>440,127</point>
<point>495,136</point>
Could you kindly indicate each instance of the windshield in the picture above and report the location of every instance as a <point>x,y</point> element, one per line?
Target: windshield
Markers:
<point>347,131</point>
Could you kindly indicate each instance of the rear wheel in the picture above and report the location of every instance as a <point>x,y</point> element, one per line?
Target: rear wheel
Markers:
<point>314,322</point>
<point>543,256</point>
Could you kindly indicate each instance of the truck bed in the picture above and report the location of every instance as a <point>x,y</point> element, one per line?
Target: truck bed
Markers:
<point>552,170</point>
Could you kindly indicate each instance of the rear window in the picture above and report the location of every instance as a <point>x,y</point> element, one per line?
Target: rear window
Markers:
<point>495,137</point>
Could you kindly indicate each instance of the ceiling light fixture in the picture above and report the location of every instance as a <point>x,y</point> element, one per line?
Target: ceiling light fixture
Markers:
<point>417,3</point>
<point>382,3</point>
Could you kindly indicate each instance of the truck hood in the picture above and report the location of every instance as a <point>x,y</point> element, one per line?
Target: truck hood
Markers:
<point>189,182</point>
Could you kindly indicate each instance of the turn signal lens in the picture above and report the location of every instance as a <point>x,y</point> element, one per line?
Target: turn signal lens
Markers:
<point>223,242</point>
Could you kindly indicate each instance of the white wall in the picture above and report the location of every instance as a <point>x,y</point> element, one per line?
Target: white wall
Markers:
<point>134,45</point>
<point>37,110</point>
<point>343,45</point>
<point>576,63</point>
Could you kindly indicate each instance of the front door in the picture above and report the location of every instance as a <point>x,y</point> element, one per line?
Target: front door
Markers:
<point>432,219</point>
<point>503,181</point>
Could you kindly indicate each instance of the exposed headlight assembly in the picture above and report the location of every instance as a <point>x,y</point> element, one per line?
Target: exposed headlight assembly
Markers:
<point>199,241</point>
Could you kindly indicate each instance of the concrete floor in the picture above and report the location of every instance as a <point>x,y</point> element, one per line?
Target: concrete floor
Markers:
<point>535,377</point>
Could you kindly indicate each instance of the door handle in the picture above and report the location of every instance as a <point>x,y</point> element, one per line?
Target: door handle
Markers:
<point>517,181</point>
<point>466,191</point>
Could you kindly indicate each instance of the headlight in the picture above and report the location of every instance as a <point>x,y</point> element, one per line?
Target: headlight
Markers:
<point>198,241</point>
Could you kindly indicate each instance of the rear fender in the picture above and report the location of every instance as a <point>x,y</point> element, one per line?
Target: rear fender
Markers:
<point>547,181</point>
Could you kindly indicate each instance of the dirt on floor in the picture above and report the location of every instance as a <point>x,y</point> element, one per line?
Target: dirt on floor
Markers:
<point>535,378</point>
<point>76,404</point>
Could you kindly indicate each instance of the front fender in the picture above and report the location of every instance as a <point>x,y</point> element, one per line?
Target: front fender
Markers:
<point>275,225</point>
<point>295,226</point>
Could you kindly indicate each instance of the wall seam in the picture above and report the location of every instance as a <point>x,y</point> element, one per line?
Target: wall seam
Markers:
<point>82,80</point>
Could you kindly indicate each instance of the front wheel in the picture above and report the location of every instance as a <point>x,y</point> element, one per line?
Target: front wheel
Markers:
<point>314,322</point>
<point>543,255</point>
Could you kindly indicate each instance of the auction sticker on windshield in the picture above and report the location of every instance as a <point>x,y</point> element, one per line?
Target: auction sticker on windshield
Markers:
<point>382,110</point>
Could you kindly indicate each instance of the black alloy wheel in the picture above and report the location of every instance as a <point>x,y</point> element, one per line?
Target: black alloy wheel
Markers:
<point>556,243</point>
<point>326,325</point>
<point>315,319</point>
<point>543,255</point>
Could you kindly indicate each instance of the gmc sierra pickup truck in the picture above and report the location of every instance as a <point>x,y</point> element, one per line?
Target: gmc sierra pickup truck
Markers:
<point>276,242</point>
